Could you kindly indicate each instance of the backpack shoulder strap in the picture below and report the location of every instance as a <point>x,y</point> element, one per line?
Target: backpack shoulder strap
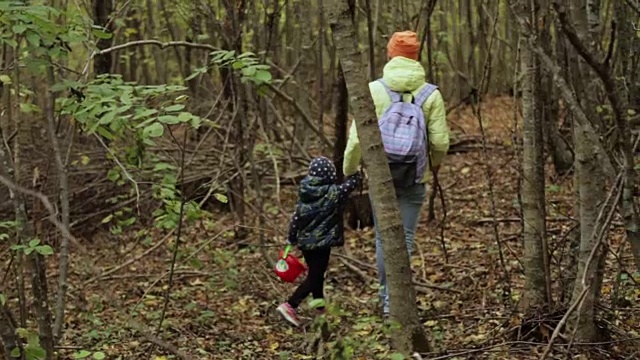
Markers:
<point>424,94</point>
<point>395,97</point>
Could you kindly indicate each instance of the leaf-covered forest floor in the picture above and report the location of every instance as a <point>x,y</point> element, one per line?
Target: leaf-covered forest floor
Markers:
<point>223,298</point>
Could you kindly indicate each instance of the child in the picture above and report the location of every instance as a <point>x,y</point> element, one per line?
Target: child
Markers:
<point>316,227</point>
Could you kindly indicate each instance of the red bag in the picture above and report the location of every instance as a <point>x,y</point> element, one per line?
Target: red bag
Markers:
<point>289,267</point>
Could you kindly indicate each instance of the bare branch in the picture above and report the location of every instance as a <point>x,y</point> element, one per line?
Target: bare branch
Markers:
<point>573,37</point>
<point>569,96</point>
<point>160,44</point>
<point>307,119</point>
<point>47,204</point>
<point>633,5</point>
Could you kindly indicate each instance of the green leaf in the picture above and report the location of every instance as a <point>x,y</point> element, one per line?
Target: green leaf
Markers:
<point>19,28</point>
<point>174,108</point>
<point>98,355</point>
<point>163,166</point>
<point>145,113</point>
<point>12,43</point>
<point>237,65</point>
<point>396,356</point>
<point>81,354</point>
<point>29,108</point>
<point>107,219</point>
<point>100,34</point>
<point>153,130</point>
<point>28,251</point>
<point>553,188</point>
<point>249,71</point>
<point>263,76</point>
<point>128,222</point>
<point>34,242</point>
<point>3,299</point>
<point>15,353</point>
<point>33,38</point>
<point>5,79</point>
<point>113,175</point>
<point>45,250</point>
<point>104,132</point>
<point>246,54</point>
<point>316,303</point>
<point>624,276</point>
<point>197,72</point>
<point>169,119</point>
<point>35,352</point>
<point>222,198</point>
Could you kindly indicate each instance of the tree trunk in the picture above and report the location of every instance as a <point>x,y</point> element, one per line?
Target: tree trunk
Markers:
<point>41,303</point>
<point>341,121</point>
<point>592,192</point>
<point>101,12</point>
<point>409,336</point>
<point>8,337</point>
<point>537,290</point>
<point>559,149</point>
<point>237,105</point>
<point>63,195</point>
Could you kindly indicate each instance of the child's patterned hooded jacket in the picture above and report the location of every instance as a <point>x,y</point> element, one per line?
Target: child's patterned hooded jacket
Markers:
<point>317,222</point>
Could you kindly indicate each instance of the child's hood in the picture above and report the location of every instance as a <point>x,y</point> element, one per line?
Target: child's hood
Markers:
<point>316,185</point>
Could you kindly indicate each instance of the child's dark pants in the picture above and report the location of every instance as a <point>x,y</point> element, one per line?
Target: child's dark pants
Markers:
<point>317,263</point>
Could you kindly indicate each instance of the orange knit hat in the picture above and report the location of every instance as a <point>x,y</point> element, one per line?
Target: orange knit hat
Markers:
<point>405,44</point>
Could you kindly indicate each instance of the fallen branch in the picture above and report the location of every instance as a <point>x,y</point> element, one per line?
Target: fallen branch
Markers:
<point>483,221</point>
<point>420,286</point>
<point>130,261</point>
<point>488,220</point>
<point>159,342</point>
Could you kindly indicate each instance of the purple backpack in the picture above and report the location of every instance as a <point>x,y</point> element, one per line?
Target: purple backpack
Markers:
<point>404,135</point>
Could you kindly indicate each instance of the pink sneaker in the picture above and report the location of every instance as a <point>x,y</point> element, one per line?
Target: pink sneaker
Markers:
<point>288,313</point>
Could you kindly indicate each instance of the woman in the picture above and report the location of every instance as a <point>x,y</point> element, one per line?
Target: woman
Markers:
<point>404,77</point>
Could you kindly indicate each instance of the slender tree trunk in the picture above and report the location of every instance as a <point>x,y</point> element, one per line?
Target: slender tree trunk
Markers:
<point>372,43</point>
<point>63,187</point>
<point>101,12</point>
<point>41,303</point>
<point>341,120</point>
<point>237,105</point>
<point>8,325</point>
<point>537,292</point>
<point>320,65</point>
<point>8,336</point>
<point>409,336</point>
<point>591,188</point>
<point>557,146</point>
<point>159,63</point>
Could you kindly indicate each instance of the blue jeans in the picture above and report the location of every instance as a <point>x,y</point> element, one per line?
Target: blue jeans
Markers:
<point>410,202</point>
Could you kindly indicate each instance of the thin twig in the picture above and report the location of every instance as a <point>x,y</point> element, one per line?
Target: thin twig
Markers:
<point>307,119</point>
<point>178,232</point>
<point>124,170</point>
<point>130,261</point>
<point>585,288</point>
<point>159,278</point>
<point>477,110</point>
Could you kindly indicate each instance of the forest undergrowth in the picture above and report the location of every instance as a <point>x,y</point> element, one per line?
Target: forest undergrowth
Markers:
<point>223,298</point>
